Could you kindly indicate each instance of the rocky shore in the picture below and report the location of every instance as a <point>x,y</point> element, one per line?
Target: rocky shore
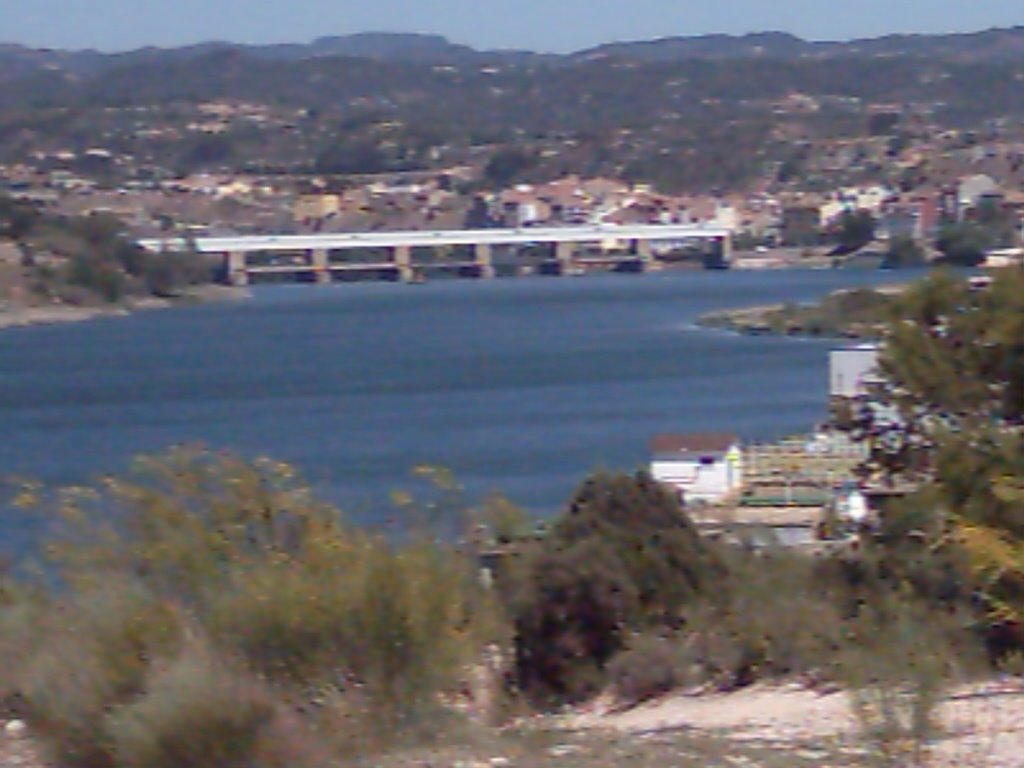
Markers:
<point>19,316</point>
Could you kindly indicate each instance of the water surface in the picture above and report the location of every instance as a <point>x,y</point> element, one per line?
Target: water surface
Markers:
<point>521,386</point>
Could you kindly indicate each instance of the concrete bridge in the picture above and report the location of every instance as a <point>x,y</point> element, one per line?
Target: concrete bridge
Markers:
<point>391,253</point>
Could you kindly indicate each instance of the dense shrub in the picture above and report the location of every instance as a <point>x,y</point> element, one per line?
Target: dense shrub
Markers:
<point>199,712</point>
<point>658,548</point>
<point>574,618</point>
<point>900,658</point>
<point>24,624</point>
<point>624,557</point>
<point>394,624</point>
<point>96,659</point>
<point>859,311</point>
<point>650,666</point>
<point>773,616</point>
<point>287,624</point>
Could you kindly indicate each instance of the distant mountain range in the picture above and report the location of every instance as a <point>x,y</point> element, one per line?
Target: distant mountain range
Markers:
<point>996,45</point>
<point>990,45</point>
<point>17,60</point>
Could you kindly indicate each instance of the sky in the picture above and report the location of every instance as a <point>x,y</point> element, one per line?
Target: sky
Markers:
<point>542,25</point>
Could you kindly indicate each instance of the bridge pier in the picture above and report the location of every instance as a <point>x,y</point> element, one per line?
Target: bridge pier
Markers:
<point>402,257</point>
<point>564,252</point>
<point>238,274</point>
<point>321,268</point>
<point>644,253</point>
<point>727,249</point>
<point>484,260</point>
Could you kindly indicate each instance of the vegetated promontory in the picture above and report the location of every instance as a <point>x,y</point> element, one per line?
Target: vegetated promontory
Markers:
<point>53,264</point>
<point>859,313</point>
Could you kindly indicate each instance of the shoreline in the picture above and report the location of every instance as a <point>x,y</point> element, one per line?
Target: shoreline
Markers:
<point>23,317</point>
<point>825,318</point>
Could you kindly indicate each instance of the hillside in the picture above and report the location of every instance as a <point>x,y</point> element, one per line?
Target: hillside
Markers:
<point>683,114</point>
<point>1002,45</point>
<point>55,262</point>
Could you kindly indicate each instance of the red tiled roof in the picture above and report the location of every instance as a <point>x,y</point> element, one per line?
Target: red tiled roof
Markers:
<point>693,443</point>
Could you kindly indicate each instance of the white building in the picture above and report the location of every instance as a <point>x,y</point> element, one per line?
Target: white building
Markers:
<point>973,189</point>
<point>852,370</point>
<point>1004,257</point>
<point>701,467</point>
<point>853,199</point>
<point>725,216</point>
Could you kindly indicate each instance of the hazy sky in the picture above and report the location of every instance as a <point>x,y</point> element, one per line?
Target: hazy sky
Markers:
<point>546,25</point>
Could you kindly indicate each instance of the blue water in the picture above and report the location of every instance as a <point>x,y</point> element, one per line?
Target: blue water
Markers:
<point>522,386</point>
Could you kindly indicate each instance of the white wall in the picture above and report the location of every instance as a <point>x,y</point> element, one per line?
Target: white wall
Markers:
<point>697,481</point>
<point>849,368</point>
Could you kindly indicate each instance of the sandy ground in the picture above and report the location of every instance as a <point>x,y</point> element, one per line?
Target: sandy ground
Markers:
<point>16,750</point>
<point>983,725</point>
<point>782,726</point>
<point>15,318</point>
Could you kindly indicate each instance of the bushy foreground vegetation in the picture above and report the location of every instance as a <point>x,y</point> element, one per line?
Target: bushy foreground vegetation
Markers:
<point>205,610</point>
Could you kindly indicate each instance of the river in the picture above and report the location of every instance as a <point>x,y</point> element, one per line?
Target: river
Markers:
<point>522,386</point>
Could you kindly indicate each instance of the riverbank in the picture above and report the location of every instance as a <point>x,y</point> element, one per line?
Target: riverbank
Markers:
<point>17,317</point>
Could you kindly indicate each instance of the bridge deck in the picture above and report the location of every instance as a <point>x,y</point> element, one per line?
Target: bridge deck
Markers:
<point>434,238</point>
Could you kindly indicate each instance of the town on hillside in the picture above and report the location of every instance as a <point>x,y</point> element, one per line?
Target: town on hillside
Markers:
<point>947,176</point>
<point>796,163</point>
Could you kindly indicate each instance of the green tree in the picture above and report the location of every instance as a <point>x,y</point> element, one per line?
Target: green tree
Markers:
<point>964,244</point>
<point>957,354</point>
<point>623,557</point>
<point>101,263</point>
<point>997,221</point>
<point>949,416</point>
<point>17,219</point>
<point>904,251</point>
<point>855,230</point>
<point>97,275</point>
<point>508,164</point>
<point>352,155</point>
<point>207,151</point>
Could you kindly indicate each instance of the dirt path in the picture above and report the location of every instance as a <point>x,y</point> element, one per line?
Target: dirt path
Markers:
<point>782,726</point>
<point>983,725</point>
<point>759,712</point>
